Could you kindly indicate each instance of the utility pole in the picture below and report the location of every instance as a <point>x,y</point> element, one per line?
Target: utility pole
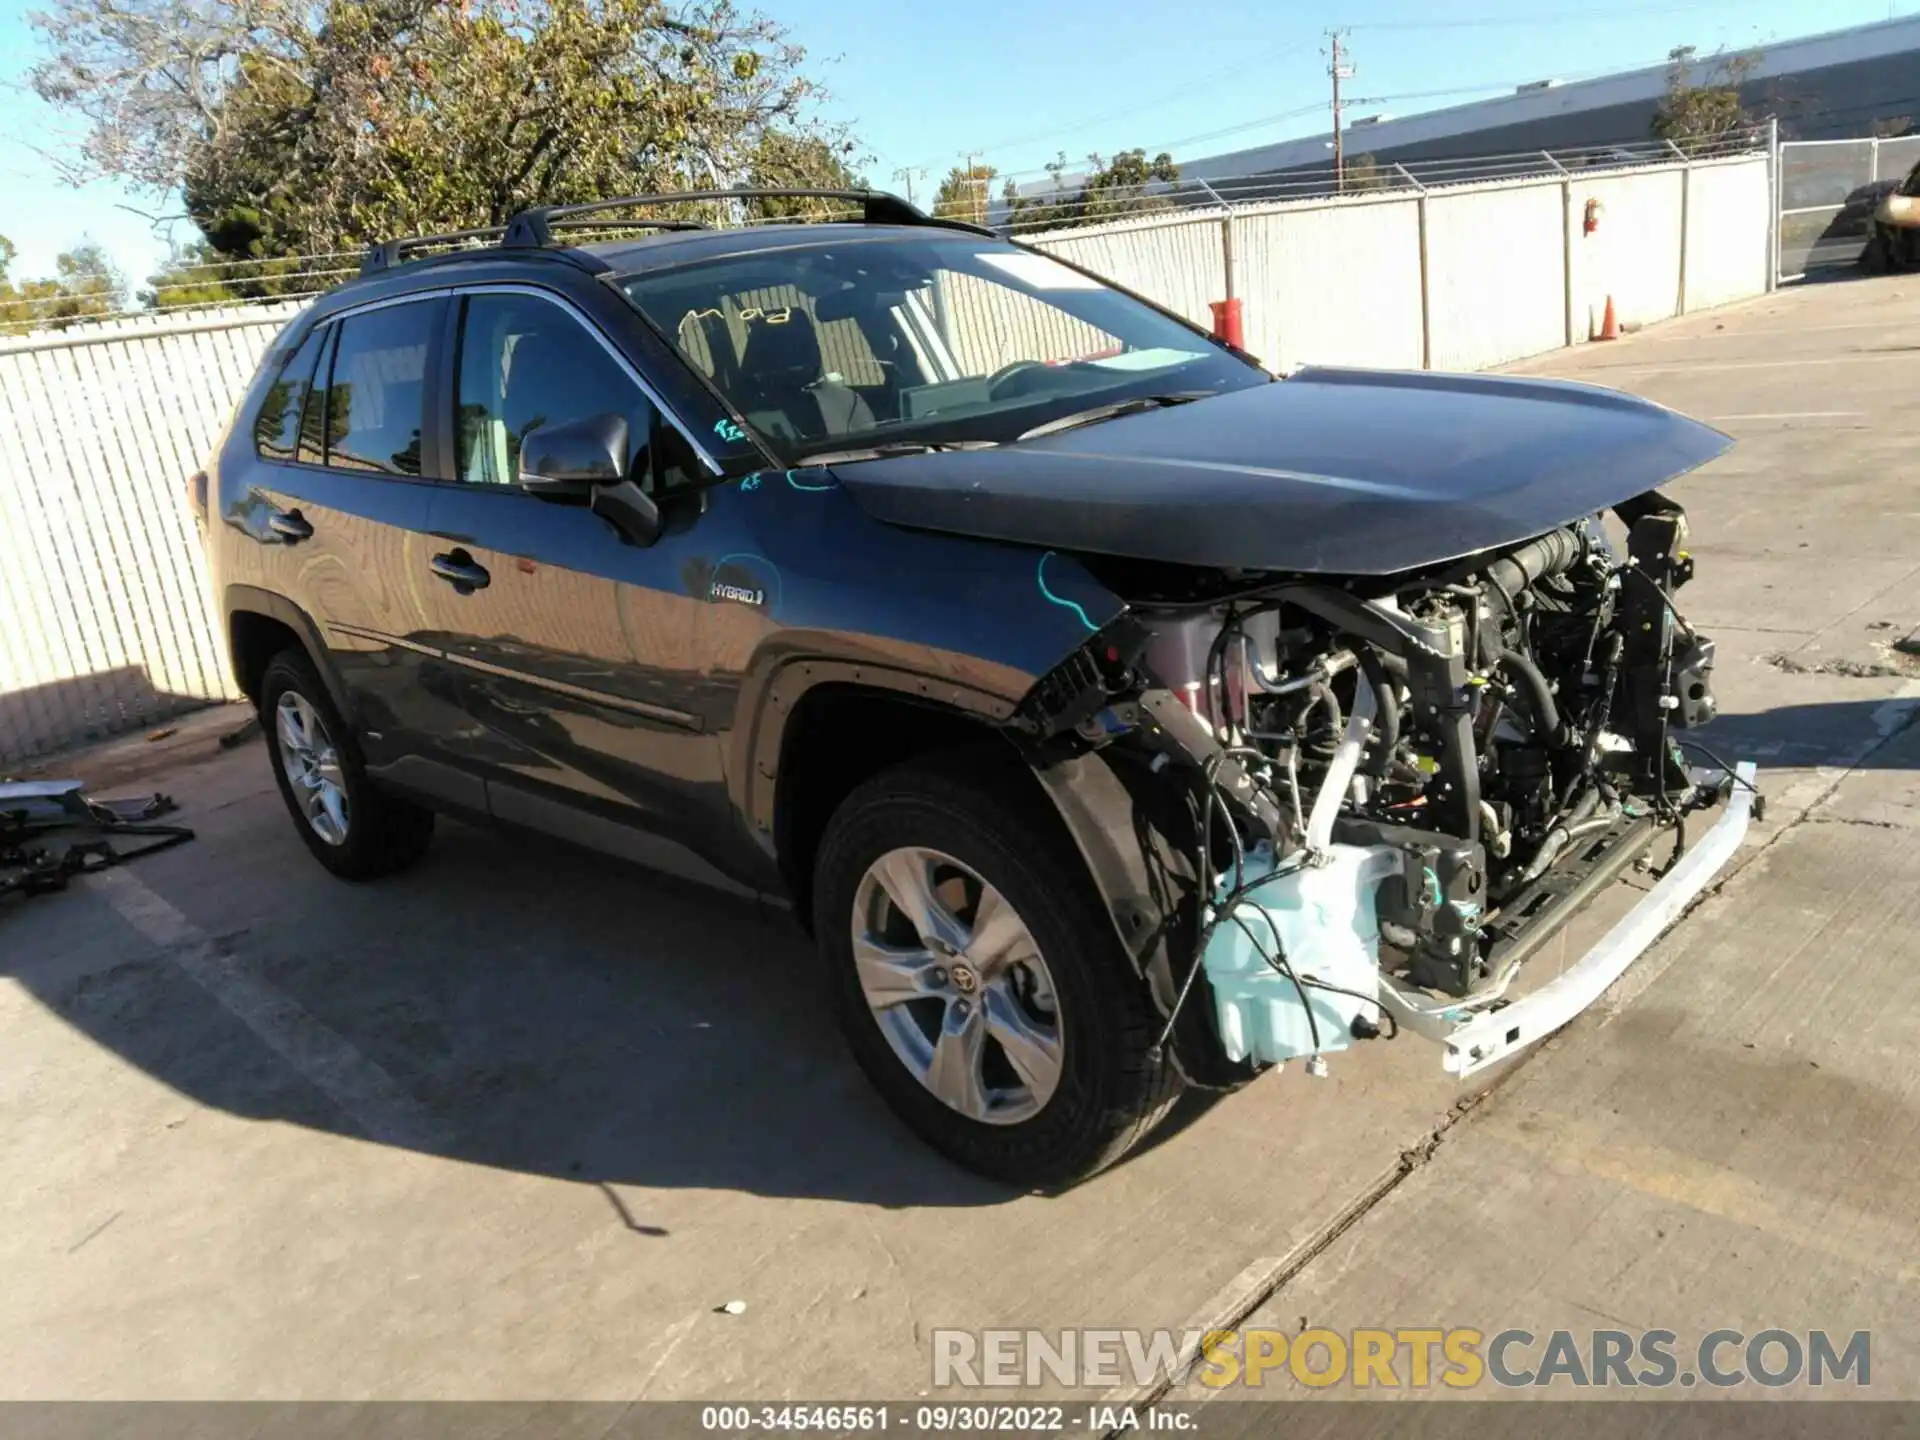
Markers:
<point>1339,70</point>
<point>906,174</point>
<point>976,189</point>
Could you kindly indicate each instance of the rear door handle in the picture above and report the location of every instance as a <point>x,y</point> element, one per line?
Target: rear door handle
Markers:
<point>458,569</point>
<point>290,525</point>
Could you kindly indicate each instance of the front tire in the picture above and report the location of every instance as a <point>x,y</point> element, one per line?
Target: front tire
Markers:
<point>978,980</point>
<point>355,830</point>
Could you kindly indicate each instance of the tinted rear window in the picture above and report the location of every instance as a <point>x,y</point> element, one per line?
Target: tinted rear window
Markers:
<point>277,425</point>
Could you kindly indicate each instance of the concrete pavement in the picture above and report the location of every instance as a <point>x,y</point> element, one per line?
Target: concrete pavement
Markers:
<point>520,1123</point>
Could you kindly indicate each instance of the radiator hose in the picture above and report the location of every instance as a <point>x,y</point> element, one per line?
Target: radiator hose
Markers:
<point>1532,684</point>
<point>1386,730</point>
<point>1561,833</point>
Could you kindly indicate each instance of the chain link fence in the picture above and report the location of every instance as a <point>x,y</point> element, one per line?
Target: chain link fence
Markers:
<point>1828,191</point>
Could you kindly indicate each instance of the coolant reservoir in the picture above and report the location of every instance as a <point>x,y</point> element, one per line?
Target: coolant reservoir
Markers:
<point>1322,920</point>
<point>1177,656</point>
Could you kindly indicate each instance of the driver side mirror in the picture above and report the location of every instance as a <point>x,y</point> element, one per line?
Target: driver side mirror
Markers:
<point>585,462</point>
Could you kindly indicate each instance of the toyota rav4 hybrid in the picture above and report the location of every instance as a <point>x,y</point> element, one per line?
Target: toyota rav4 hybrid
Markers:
<point>1115,716</point>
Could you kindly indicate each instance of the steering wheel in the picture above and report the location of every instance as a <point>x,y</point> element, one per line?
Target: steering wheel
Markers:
<point>1009,372</point>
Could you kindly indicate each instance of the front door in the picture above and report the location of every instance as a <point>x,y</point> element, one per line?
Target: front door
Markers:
<point>578,652</point>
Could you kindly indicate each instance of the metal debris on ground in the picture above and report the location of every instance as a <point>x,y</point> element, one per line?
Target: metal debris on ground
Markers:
<point>51,831</point>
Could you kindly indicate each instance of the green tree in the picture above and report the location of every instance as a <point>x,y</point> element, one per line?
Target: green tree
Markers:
<point>84,285</point>
<point>801,162</point>
<point>1364,172</point>
<point>1111,190</point>
<point>1121,186</point>
<point>1060,205</point>
<point>292,127</point>
<point>1692,115</point>
<point>966,193</point>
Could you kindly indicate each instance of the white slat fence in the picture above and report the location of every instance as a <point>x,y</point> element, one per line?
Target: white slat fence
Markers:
<point>107,623</point>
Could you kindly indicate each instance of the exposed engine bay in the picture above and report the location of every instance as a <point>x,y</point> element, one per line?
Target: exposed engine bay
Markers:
<point>1401,786</point>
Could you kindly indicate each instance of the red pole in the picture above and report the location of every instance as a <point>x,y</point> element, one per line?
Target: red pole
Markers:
<point>1226,322</point>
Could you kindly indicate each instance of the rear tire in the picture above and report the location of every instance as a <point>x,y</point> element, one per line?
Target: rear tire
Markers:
<point>1065,1078</point>
<point>354,829</point>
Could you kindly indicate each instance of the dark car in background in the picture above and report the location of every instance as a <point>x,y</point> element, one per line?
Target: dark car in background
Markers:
<point>1116,717</point>
<point>1892,223</point>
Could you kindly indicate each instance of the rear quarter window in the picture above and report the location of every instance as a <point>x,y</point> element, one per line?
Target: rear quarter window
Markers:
<point>276,427</point>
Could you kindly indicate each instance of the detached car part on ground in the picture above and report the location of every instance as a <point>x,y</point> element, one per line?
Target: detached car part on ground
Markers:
<point>1117,719</point>
<point>52,831</point>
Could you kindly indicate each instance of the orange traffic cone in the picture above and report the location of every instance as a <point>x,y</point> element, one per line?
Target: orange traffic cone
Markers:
<point>1609,324</point>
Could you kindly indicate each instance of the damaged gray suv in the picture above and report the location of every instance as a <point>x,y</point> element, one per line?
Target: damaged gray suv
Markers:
<point>1115,716</point>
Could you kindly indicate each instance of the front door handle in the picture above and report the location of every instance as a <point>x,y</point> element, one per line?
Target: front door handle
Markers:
<point>290,525</point>
<point>458,569</point>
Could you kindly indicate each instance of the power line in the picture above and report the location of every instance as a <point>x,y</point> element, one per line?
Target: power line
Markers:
<point>1132,107</point>
<point>1315,108</point>
<point>1469,22</point>
<point>1478,22</point>
<point>1483,88</point>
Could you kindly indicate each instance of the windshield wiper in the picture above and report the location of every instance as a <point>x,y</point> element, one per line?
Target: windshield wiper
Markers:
<point>888,448</point>
<point>1097,413</point>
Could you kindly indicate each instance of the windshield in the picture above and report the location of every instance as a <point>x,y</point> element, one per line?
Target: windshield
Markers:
<point>886,340</point>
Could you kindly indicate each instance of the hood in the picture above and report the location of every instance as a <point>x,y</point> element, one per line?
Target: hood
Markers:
<point>1345,472</point>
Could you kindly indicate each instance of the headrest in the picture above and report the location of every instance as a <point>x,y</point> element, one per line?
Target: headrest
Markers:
<point>719,342</point>
<point>777,345</point>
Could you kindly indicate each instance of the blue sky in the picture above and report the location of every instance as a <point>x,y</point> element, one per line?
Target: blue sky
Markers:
<point>1015,81</point>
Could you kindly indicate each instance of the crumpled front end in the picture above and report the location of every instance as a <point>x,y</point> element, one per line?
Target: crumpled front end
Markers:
<point>1341,810</point>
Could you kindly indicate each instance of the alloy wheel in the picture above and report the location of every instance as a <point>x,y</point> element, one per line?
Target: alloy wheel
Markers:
<point>957,985</point>
<point>312,764</point>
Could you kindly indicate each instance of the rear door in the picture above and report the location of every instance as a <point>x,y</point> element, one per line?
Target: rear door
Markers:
<point>344,483</point>
<point>578,653</point>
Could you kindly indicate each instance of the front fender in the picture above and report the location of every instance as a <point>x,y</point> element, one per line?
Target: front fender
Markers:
<point>941,619</point>
<point>773,696</point>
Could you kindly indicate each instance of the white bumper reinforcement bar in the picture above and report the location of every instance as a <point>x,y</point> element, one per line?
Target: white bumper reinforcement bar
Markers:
<point>1476,1034</point>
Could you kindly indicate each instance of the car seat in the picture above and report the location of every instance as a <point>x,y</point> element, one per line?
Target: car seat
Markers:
<point>782,389</point>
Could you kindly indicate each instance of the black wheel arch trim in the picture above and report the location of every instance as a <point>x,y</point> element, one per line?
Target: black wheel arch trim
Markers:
<point>252,600</point>
<point>770,701</point>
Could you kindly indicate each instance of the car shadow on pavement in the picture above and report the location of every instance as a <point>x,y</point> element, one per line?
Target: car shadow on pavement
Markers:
<point>534,1008</point>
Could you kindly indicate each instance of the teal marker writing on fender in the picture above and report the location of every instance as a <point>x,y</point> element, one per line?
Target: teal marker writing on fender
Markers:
<point>1040,574</point>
